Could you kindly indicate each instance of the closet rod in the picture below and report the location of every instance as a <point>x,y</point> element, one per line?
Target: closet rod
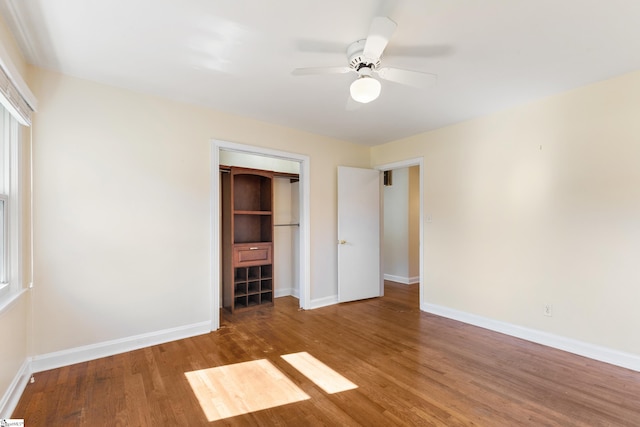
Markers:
<point>286,225</point>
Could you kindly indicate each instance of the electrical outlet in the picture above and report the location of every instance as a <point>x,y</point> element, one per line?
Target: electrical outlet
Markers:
<point>548,310</point>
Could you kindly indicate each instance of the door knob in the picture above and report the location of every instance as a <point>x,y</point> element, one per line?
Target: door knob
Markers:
<point>342,242</point>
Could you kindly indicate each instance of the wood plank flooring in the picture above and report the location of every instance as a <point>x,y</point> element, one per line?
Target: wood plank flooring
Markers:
<point>411,368</point>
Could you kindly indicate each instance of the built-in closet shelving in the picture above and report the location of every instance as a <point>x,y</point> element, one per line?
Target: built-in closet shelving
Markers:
<point>247,238</point>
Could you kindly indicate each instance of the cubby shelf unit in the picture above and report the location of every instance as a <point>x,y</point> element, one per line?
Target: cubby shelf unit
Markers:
<point>252,286</point>
<point>247,238</point>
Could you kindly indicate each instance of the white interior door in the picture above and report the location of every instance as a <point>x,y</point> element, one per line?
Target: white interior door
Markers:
<point>359,275</point>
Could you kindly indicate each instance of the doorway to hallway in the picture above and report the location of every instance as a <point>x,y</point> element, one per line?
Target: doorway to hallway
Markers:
<point>403,224</point>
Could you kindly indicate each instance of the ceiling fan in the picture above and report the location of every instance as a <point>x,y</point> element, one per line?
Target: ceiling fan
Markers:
<point>364,59</point>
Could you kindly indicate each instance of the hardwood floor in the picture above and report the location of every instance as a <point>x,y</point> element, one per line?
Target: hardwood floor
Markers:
<point>411,368</point>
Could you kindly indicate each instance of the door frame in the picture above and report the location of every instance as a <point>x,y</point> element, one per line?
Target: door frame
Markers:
<point>304,270</point>
<point>418,161</point>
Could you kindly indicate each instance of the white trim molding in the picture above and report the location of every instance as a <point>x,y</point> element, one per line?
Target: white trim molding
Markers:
<point>17,21</point>
<point>602,354</point>
<point>287,292</point>
<point>14,392</point>
<point>85,353</point>
<point>401,279</point>
<point>324,302</point>
<point>6,304</point>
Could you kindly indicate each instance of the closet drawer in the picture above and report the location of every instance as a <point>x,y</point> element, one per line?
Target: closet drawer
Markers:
<point>247,254</point>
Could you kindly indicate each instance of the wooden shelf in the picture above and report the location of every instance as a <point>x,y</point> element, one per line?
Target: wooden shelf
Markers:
<point>247,238</point>
<point>266,213</point>
<point>252,228</point>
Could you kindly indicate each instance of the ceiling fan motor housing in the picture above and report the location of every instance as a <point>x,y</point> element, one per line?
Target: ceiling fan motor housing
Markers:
<point>357,60</point>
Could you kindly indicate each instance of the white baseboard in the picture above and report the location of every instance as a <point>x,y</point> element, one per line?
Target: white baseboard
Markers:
<point>602,354</point>
<point>16,388</point>
<point>70,356</point>
<point>85,353</point>
<point>323,302</point>
<point>287,292</point>
<point>402,279</point>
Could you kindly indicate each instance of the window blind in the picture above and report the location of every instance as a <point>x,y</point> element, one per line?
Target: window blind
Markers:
<point>13,100</point>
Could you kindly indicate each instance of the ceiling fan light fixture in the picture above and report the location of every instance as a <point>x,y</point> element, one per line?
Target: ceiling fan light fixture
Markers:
<point>365,89</point>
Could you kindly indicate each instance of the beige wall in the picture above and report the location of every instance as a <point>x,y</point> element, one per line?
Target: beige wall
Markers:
<point>122,208</point>
<point>13,319</point>
<point>14,340</point>
<point>534,205</point>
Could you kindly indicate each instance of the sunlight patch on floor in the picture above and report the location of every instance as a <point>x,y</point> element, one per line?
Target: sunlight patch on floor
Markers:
<point>241,388</point>
<point>322,375</point>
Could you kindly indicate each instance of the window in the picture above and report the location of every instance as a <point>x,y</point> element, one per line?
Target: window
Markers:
<point>10,221</point>
<point>17,104</point>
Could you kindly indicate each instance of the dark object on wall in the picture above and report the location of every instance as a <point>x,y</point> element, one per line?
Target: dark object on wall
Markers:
<point>388,178</point>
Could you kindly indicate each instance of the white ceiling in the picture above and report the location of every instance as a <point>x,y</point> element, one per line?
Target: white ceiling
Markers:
<point>237,55</point>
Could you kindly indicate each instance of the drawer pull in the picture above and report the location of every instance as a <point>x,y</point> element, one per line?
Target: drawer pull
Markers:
<point>254,248</point>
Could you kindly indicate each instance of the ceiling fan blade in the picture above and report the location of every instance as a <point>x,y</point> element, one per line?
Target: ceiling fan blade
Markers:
<point>407,77</point>
<point>321,70</point>
<point>381,30</point>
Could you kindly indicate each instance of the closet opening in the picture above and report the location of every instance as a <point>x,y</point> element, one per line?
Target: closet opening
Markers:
<point>277,264</point>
